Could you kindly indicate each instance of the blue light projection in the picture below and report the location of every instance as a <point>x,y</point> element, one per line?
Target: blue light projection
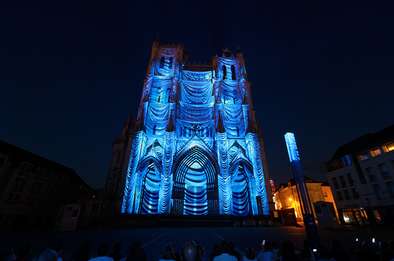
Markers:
<point>291,145</point>
<point>196,150</point>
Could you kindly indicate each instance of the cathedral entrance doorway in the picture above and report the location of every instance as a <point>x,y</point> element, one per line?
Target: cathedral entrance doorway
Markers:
<point>195,184</point>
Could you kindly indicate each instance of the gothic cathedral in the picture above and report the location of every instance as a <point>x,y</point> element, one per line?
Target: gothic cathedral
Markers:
<point>195,149</point>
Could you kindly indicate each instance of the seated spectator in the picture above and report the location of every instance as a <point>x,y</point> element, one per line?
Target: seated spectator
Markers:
<point>225,252</point>
<point>136,252</point>
<point>306,253</point>
<point>23,252</point>
<point>338,252</point>
<point>115,251</point>
<point>287,252</point>
<point>266,253</point>
<point>250,255</point>
<point>390,252</point>
<point>192,251</point>
<point>324,255</point>
<point>7,255</point>
<point>169,254</point>
<point>102,254</point>
<point>53,252</point>
<point>83,252</point>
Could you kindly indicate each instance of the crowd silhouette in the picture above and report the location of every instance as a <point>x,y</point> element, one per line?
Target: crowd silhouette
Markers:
<point>222,251</point>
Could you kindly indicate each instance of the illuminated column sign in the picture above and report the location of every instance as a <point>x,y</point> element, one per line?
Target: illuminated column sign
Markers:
<point>194,152</point>
<point>298,172</point>
<point>305,203</point>
<point>292,149</point>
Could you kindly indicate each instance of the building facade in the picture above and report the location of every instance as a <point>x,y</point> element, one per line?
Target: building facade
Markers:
<point>286,198</point>
<point>196,148</point>
<point>361,175</point>
<point>114,184</point>
<point>33,189</point>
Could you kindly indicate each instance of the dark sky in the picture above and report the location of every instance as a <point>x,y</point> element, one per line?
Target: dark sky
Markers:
<point>72,71</point>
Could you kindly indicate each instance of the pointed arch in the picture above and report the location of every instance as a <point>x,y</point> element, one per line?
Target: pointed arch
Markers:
<point>241,187</point>
<point>150,190</point>
<point>146,193</point>
<point>195,184</point>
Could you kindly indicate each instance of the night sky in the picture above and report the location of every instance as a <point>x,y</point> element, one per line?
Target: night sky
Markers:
<point>72,71</point>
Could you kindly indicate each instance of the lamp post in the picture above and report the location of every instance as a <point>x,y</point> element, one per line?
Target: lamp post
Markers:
<point>305,203</point>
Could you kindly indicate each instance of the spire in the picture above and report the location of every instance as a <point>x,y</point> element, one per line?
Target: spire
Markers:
<point>244,100</point>
<point>141,122</point>
<point>220,127</point>
<point>129,125</point>
<point>251,124</point>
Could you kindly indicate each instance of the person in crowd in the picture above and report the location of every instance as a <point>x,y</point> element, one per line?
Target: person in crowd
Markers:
<point>51,253</point>
<point>275,249</point>
<point>115,251</point>
<point>83,252</point>
<point>102,254</point>
<point>225,252</point>
<point>169,254</point>
<point>136,252</point>
<point>307,253</point>
<point>390,252</point>
<point>266,253</point>
<point>366,252</point>
<point>21,253</point>
<point>250,255</point>
<point>7,255</point>
<point>324,254</point>
<point>287,252</point>
<point>192,251</point>
<point>338,251</point>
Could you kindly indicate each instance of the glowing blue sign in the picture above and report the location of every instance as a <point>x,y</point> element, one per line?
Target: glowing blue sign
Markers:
<point>291,145</point>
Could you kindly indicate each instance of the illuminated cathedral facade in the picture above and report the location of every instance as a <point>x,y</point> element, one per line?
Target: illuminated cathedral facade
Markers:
<point>195,149</point>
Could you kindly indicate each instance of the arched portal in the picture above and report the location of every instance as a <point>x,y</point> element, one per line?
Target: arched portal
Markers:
<point>195,184</point>
<point>240,191</point>
<point>150,189</point>
<point>195,200</point>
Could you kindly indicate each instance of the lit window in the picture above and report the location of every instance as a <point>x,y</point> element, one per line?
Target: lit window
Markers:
<point>388,147</point>
<point>375,152</point>
<point>233,77</point>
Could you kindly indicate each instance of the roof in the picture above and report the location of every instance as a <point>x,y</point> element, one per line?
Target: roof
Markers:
<point>19,154</point>
<point>365,142</point>
<point>306,179</point>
